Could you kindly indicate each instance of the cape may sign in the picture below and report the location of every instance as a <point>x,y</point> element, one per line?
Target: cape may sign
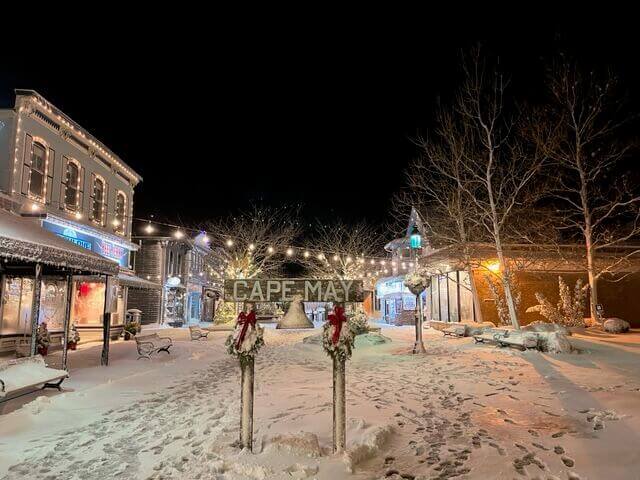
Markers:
<point>283,290</point>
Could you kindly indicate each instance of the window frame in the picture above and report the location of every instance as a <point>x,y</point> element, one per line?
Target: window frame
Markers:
<point>98,178</point>
<point>76,207</point>
<point>45,147</point>
<point>120,227</point>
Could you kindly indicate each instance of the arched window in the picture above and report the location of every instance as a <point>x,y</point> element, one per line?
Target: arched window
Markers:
<point>98,199</point>
<point>121,207</point>
<point>38,170</point>
<point>72,186</point>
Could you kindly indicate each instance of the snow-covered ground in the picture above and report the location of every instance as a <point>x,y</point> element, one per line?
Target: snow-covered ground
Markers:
<point>463,410</point>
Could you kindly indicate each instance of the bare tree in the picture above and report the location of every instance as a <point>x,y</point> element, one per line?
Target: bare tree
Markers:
<point>344,251</point>
<point>585,140</point>
<point>254,243</point>
<point>499,167</point>
<point>483,173</point>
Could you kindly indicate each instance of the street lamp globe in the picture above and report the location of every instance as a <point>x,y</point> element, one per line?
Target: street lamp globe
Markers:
<point>415,239</point>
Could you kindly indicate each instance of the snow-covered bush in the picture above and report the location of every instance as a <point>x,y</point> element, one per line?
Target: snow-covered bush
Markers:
<point>417,281</point>
<point>616,325</point>
<point>74,336</point>
<point>497,292</point>
<point>570,308</point>
<point>359,323</point>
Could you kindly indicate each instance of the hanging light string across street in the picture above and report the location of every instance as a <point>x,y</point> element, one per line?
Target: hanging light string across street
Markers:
<point>384,265</point>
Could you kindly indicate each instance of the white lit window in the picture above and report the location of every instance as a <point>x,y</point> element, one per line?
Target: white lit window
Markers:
<point>98,200</point>
<point>38,170</point>
<point>72,186</point>
<point>121,206</point>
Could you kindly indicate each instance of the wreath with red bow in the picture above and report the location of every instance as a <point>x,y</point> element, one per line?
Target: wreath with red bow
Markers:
<point>247,337</point>
<point>337,336</point>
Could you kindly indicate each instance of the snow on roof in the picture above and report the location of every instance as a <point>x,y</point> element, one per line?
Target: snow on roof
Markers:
<point>23,239</point>
<point>131,280</point>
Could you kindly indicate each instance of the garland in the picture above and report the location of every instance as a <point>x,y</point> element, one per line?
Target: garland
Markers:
<point>338,338</point>
<point>247,337</point>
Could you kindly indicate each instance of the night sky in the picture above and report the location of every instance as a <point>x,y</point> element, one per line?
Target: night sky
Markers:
<point>318,111</point>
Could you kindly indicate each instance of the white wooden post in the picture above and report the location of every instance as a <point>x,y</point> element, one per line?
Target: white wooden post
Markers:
<point>339,405</point>
<point>67,317</point>
<point>35,308</point>
<point>246,402</point>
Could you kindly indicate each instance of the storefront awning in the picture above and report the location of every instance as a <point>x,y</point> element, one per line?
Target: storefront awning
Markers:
<point>129,280</point>
<point>24,240</point>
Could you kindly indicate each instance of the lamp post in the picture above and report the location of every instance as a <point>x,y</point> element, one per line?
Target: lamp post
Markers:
<point>415,243</point>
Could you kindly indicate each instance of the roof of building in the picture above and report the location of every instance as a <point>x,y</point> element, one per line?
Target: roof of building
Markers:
<point>134,281</point>
<point>23,239</point>
<point>69,122</point>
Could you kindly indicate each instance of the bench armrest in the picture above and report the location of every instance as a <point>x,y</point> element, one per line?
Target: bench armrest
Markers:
<point>2,386</point>
<point>167,338</point>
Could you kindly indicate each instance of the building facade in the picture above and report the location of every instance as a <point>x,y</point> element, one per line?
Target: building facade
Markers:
<point>182,266</point>
<point>61,177</point>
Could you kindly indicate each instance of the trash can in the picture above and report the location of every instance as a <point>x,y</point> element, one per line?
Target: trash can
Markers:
<point>134,315</point>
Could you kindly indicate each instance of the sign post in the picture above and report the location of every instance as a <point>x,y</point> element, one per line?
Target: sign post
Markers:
<point>337,338</point>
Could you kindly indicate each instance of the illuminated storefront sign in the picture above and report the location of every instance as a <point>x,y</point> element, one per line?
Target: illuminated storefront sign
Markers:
<point>101,247</point>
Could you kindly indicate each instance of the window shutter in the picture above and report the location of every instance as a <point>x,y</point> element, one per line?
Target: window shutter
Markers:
<point>51,166</point>
<point>105,204</point>
<point>26,167</point>
<point>81,193</point>
<point>64,179</point>
<point>92,190</point>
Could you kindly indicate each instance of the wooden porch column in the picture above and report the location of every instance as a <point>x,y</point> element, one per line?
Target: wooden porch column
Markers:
<point>67,318</point>
<point>106,325</point>
<point>35,308</point>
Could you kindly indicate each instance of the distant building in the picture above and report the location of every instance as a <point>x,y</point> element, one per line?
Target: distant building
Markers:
<point>65,180</point>
<point>461,293</point>
<point>182,266</point>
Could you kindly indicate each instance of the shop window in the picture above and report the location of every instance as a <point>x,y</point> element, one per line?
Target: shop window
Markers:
<point>121,205</point>
<point>453,296</point>
<point>52,304</point>
<point>97,200</point>
<point>444,302</point>
<point>17,296</point>
<point>435,298</point>
<point>38,170</point>
<point>88,303</point>
<point>466,297</point>
<point>72,186</point>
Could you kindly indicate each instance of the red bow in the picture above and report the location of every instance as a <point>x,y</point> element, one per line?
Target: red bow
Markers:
<point>245,321</point>
<point>336,319</point>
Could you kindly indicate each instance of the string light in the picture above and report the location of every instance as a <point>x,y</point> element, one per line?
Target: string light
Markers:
<point>149,228</point>
<point>306,254</point>
<point>252,247</point>
<point>289,252</point>
<point>336,258</point>
<point>270,250</point>
<point>178,234</point>
<point>229,242</point>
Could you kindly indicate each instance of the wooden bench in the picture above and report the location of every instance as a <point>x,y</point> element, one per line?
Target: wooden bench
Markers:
<point>149,344</point>
<point>197,333</point>
<point>455,331</point>
<point>503,339</point>
<point>28,372</point>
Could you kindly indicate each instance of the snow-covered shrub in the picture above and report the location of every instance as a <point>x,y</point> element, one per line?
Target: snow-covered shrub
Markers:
<point>359,323</point>
<point>74,336</point>
<point>570,308</point>
<point>497,292</point>
<point>616,325</point>
<point>417,281</point>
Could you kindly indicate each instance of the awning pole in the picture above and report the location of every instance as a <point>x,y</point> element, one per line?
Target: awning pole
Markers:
<point>35,308</point>
<point>67,318</point>
<point>106,325</point>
